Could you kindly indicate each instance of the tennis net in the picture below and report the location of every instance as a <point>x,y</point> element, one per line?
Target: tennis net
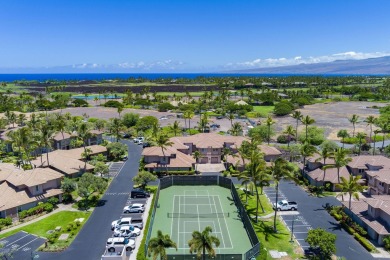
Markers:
<point>194,215</point>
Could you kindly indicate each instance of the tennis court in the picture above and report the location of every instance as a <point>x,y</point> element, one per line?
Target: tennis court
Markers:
<point>184,209</point>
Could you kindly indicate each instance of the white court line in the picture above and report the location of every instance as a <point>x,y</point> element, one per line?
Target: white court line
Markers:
<point>211,209</point>
<point>197,209</point>
<point>230,238</point>
<point>178,225</point>
<point>219,223</point>
<point>173,209</point>
<point>192,232</point>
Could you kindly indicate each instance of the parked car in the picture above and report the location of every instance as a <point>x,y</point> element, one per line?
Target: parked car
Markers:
<point>120,222</point>
<point>140,142</point>
<point>138,223</point>
<point>127,231</point>
<point>286,205</point>
<point>219,117</point>
<point>146,144</point>
<point>139,193</point>
<point>125,158</point>
<point>119,242</point>
<point>215,125</point>
<point>163,118</point>
<point>135,208</point>
<point>137,139</point>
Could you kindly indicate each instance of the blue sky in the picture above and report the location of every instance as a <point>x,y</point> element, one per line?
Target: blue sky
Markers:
<point>189,35</point>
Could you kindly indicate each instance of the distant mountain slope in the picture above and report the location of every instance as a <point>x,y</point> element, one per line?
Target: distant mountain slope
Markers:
<point>367,66</point>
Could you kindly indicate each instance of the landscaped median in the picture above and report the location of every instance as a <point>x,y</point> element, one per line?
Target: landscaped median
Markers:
<point>65,222</point>
<point>351,227</point>
<point>269,240</point>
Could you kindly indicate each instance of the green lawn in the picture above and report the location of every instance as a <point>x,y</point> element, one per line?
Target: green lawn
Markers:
<point>263,110</point>
<point>264,228</point>
<point>40,228</point>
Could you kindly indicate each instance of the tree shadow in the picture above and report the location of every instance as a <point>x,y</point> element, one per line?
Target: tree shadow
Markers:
<point>267,230</point>
<point>335,226</point>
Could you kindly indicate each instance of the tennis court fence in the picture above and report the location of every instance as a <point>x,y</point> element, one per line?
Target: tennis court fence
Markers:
<point>208,180</point>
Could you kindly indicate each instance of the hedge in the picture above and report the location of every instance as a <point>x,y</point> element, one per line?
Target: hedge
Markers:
<point>176,173</point>
<point>141,254</point>
<point>5,222</point>
<point>42,207</point>
<point>364,242</point>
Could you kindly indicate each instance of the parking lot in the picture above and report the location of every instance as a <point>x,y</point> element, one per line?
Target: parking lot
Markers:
<point>22,245</point>
<point>115,168</point>
<point>293,219</point>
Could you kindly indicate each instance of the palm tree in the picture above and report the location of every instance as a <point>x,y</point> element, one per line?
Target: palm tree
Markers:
<point>342,134</point>
<point>116,126</point>
<point>157,245</point>
<point>84,133</point>
<point>280,169</point>
<point>354,119</point>
<point>269,122</point>
<point>202,242</point>
<point>236,129</point>
<point>231,117</point>
<point>384,125</point>
<point>225,153</point>
<point>163,142</point>
<point>307,120</point>
<point>360,136</point>
<point>197,155</point>
<point>376,131</point>
<point>350,187</point>
<point>340,160</point>
<point>290,131</point>
<point>307,150</point>
<point>60,124</point>
<point>370,120</point>
<point>46,139</point>
<point>188,114</point>
<point>175,128</point>
<point>325,153</point>
<point>120,110</point>
<point>259,177</point>
<point>297,115</point>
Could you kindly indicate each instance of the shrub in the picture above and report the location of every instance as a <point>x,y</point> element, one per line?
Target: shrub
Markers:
<point>67,198</point>
<point>386,242</point>
<point>164,107</point>
<point>282,109</point>
<point>113,103</point>
<point>282,139</point>
<point>48,207</point>
<point>53,201</point>
<point>80,103</point>
<point>364,242</point>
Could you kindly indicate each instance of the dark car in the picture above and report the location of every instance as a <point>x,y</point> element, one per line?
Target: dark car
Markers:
<point>219,117</point>
<point>215,125</point>
<point>139,193</point>
<point>145,145</point>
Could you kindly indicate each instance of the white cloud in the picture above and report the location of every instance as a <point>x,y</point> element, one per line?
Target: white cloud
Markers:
<point>275,62</point>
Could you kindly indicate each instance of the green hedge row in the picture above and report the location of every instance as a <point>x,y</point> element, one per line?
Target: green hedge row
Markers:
<point>364,242</point>
<point>141,254</point>
<point>42,207</point>
<point>5,222</point>
<point>178,173</point>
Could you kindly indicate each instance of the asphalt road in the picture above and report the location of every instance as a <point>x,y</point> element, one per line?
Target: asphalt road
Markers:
<point>311,208</point>
<point>90,242</point>
<point>22,245</point>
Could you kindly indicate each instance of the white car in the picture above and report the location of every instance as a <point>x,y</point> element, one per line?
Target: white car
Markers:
<point>119,242</point>
<point>127,231</point>
<point>116,224</point>
<point>134,208</point>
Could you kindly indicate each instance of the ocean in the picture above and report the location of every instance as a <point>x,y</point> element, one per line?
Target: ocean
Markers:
<point>107,76</point>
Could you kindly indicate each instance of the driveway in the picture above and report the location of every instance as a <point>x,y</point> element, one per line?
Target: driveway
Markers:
<point>90,242</point>
<point>311,209</point>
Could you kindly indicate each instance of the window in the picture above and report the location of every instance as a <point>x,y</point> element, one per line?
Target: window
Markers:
<point>361,170</point>
<point>37,188</point>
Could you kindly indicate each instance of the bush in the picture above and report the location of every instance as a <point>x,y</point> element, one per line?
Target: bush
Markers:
<point>6,221</point>
<point>282,109</point>
<point>80,103</point>
<point>364,242</point>
<point>53,201</point>
<point>42,207</point>
<point>48,207</point>
<point>67,198</point>
<point>282,139</point>
<point>53,237</point>
<point>164,107</point>
<point>113,103</point>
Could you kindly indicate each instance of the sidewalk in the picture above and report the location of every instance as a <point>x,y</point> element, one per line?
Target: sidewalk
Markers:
<point>149,206</point>
<point>61,207</point>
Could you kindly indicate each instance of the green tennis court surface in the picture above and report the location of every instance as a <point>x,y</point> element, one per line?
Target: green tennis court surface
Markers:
<point>184,209</point>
